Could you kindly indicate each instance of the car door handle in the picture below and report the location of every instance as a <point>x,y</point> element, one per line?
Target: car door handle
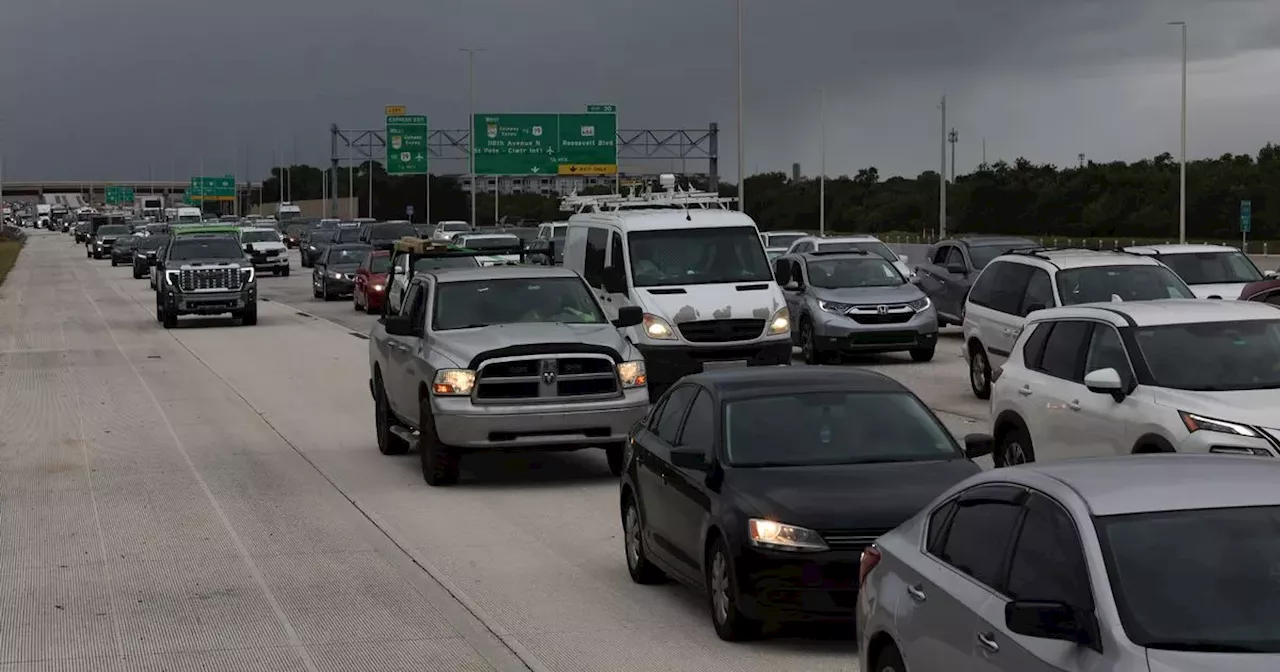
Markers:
<point>916,593</point>
<point>1025,390</point>
<point>1074,404</point>
<point>663,476</point>
<point>988,642</point>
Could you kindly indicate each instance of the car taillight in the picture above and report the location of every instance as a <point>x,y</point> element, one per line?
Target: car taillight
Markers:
<point>870,558</point>
<point>995,375</point>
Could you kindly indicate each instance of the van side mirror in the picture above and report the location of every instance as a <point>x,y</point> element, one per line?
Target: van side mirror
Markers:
<point>629,316</point>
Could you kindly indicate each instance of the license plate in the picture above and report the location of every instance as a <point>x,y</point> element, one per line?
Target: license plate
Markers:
<point>732,364</point>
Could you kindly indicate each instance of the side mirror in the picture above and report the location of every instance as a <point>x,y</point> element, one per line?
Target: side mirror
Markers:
<point>792,286</point>
<point>629,316</point>
<point>1051,620</point>
<point>957,269</point>
<point>782,273</point>
<point>978,445</point>
<point>248,247</point>
<point>1105,381</point>
<point>399,325</point>
<point>1268,274</point>
<point>689,458</point>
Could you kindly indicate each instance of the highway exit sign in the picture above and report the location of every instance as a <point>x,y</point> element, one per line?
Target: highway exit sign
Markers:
<point>1246,216</point>
<point>396,111</point>
<point>546,144</point>
<point>406,137</point>
<point>119,195</point>
<point>212,188</point>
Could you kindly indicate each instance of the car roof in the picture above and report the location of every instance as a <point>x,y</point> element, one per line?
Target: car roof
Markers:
<point>855,238</point>
<point>500,273</point>
<point>1078,258</point>
<point>764,381</point>
<point>1179,249</point>
<point>661,219</point>
<point>983,240</point>
<point>1161,312</point>
<point>502,234</point>
<point>264,229</point>
<point>842,254</point>
<point>350,246</point>
<point>1129,484</point>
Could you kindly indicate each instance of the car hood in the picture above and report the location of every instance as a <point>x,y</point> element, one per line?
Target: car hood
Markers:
<point>904,293</point>
<point>1160,660</point>
<point>1251,407</point>
<point>849,497</point>
<point>107,239</point>
<point>1226,290</point>
<point>714,302</point>
<point>463,345</point>
<point>347,269</point>
<point>192,264</point>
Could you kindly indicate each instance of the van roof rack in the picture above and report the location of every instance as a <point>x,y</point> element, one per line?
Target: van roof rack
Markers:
<point>646,199</point>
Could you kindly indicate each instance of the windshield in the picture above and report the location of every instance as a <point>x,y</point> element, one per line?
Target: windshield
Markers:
<point>455,226</point>
<point>286,216</point>
<point>380,263</point>
<point>863,272</point>
<point>831,428</point>
<point>697,256</point>
<point>1130,283</point>
<point>872,246</point>
<point>126,242</point>
<point>782,240</point>
<point>219,247</point>
<point>1209,268</point>
<point>323,236</point>
<point>352,255</point>
<point>553,231</point>
<point>1228,355</point>
<point>350,234</point>
<point>488,242</point>
<point>480,303</point>
<point>152,242</point>
<point>1223,563</point>
<point>113,230</point>
<point>259,237</point>
<point>981,255</point>
<point>436,263</point>
<point>190,219</point>
<point>393,232</point>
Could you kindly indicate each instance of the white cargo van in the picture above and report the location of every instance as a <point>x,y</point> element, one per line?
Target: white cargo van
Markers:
<point>696,268</point>
<point>188,216</point>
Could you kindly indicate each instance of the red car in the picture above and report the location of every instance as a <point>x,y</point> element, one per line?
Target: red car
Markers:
<point>371,282</point>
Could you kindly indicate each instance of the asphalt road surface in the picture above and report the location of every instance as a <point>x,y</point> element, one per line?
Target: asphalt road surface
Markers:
<point>211,497</point>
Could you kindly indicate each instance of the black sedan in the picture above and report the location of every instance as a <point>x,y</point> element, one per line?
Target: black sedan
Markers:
<point>761,486</point>
<point>145,252</point>
<point>334,273</point>
<point>313,244</point>
<point>122,250</point>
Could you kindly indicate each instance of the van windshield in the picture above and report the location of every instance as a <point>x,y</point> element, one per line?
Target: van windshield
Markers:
<point>697,256</point>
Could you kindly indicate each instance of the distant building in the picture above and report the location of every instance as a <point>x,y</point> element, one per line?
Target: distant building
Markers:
<point>795,172</point>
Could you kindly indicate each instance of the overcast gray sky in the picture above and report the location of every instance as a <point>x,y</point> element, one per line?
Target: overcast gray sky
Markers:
<point>110,90</point>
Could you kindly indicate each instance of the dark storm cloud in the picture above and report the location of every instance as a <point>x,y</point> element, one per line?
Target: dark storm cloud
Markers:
<point>123,89</point>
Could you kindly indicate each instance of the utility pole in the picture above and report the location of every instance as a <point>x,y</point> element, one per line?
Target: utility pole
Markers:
<point>471,116</point>
<point>742,150</point>
<point>370,176</point>
<point>984,153</point>
<point>822,181</point>
<point>1182,178</point>
<point>1081,157</point>
<point>953,138</point>
<point>942,176</point>
<point>352,207</point>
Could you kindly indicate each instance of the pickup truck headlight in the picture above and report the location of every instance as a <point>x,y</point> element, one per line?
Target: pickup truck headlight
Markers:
<point>780,323</point>
<point>171,276</point>
<point>632,374</point>
<point>783,537</point>
<point>658,328</point>
<point>453,382</point>
<point>247,274</point>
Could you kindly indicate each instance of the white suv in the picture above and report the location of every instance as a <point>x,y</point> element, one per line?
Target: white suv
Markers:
<point>1117,378</point>
<point>1015,284</point>
<point>1212,271</point>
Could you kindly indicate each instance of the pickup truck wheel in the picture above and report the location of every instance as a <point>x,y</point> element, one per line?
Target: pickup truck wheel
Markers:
<point>249,317</point>
<point>440,463</point>
<point>614,453</point>
<point>388,442</point>
<point>285,272</point>
<point>168,319</point>
<point>114,262</point>
<point>136,274</point>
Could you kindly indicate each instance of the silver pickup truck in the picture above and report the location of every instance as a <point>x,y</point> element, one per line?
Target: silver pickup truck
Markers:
<point>503,358</point>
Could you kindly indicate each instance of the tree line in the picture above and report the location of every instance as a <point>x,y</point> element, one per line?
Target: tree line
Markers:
<point>1095,200</point>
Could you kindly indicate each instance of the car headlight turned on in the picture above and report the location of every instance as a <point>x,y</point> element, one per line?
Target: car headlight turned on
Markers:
<point>171,276</point>
<point>632,374</point>
<point>658,328</point>
<point>777,536</point>
<point>780,323</point>
<point>453,382</point>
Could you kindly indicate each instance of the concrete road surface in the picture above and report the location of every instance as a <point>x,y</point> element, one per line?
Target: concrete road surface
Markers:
<point>211,497</point>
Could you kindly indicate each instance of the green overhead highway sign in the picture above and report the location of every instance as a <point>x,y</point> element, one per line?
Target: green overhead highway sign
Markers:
<point>212,189</point>
<point>547,144</point>
<point>1246,216</point>
<point>118,195</point>
<point>406,144</point>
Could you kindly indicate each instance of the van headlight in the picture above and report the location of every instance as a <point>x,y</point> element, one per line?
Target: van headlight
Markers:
<point>658,328</point>
<point>632,374</point>
<point>780,323</point>
<point>453,382</point>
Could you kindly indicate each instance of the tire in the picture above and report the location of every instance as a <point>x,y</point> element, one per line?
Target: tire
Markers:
<point>440,463</point>
<point>168,320</point>
<point>315,292</point>
<point>614,454</point>
<point>249,317</point>
<point>136,274</point>
<point>388,443</point>
<point>1014,448</point>
<point>979,372</point>
<point>638,566</point>
<point>275,272</point>
<point>722,596</point>
<point>808,346</point>
<point>923,354</point>
<point>87,253</point>
<point>324,291</point>
<point>889,660</point>
<point>285,272</point>
<point>113,262</point>
<point>159,310</point>
<point>355,303</point>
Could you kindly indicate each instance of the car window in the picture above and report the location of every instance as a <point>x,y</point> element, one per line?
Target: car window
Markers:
<point>954,256</point>
<point>1006,295</point>
<point>980,293</point>
<point>414,303</point>
<point>1127,282</point>
<point>673,409</point>
<point>617,259</point>
<point>939,255</point>
<point>938,525</point>
<point>1034,346</point>
<point>1106,351</point>
<point>593,264</point>
<point>1048,563</point>
<point>977,539</point>
<point>699,425</point>
<point>1064,350</point>
<point>1039,292</point>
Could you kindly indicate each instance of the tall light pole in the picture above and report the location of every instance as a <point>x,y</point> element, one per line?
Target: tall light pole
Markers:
<point>471,121</point>
<point>953,137</point>
<point>1182,179</point>
<point>942,176</point>
<point>742,153</point>
<point>822,181</point>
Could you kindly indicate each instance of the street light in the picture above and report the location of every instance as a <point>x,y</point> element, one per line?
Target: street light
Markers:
<point>1182,186</point>
<point>822,181</point>
<point>471,120</point>
<point>742,154</point>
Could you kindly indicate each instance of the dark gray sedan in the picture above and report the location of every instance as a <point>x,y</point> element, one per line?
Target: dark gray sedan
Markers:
<point>334,273</point>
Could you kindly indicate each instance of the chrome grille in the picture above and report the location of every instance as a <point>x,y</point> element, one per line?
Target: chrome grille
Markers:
<point>893,313</point>
<point>850,540</point>
<point>546,377</point>
<point>721,331</point>
<point>200,279</point>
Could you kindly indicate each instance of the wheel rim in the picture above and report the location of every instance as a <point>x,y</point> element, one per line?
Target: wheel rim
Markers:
<point>720,587</point>
<point>1014,454</point>
<point>977,371</point>
<point>633,536</point>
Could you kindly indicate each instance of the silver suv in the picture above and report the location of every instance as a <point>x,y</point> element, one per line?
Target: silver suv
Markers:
<point>503,358</point>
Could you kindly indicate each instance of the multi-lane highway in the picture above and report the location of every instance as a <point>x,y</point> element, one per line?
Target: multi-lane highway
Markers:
<point>211,497</point>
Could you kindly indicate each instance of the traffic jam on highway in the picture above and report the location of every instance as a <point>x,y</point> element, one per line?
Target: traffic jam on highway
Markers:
<point>1132,521</point>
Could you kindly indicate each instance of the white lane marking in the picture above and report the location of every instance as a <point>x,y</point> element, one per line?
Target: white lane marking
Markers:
<point>294,641</point>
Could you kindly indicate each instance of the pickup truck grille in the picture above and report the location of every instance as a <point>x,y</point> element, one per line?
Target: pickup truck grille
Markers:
<point>547,378</point>
<point>721,331</point>
<point>194,280</point>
